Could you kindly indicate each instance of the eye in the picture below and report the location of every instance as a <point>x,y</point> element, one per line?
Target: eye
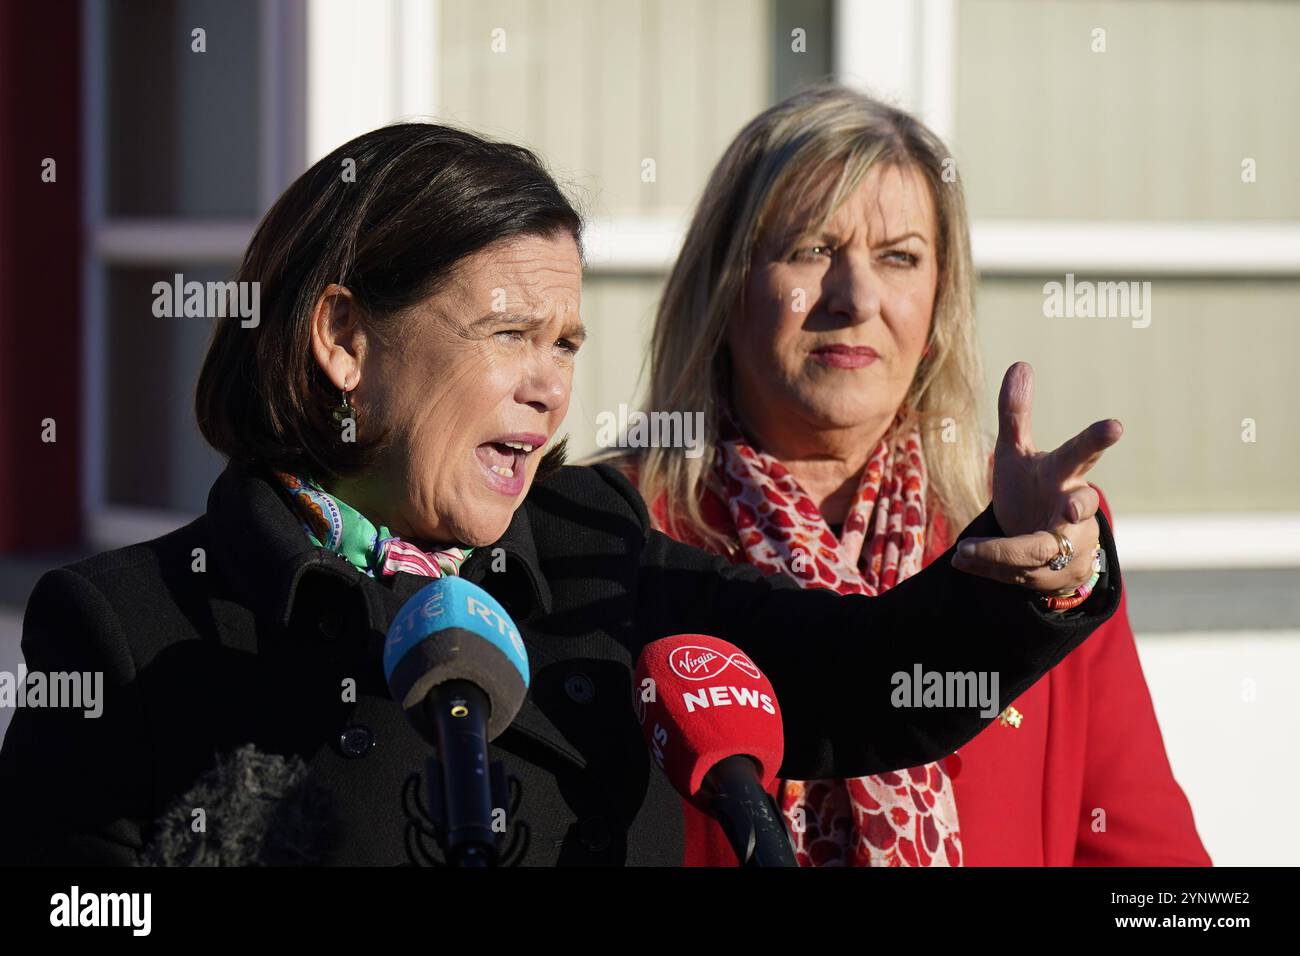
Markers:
<point>903,257</point>
<point>809,253</point>
<point>514,334</point>
<point>568,345</point>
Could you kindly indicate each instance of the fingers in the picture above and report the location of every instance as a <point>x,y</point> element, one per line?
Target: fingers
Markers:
<point>1014,407</point>
<point>1080,505</point>
<point>1022,560</point>
<point>1075,458</point>
<point>1007,556</point>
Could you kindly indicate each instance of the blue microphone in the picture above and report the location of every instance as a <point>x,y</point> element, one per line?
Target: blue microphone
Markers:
<point>456,665</point>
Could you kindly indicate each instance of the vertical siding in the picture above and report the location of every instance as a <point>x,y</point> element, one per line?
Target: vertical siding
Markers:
<point>612,367</point>
<point>1154,128</point>
<point>1216,352</point>
<point>684,136</point>
<point>597,86</point>
<point>568,90</point>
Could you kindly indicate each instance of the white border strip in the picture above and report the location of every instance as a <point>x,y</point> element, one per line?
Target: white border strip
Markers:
<point>369,64</point>
<point>901,51</point>
<point>150,241</point>
<point>1208,541</point>
<point>1012,247</point>
<point>874,49</point>
<point>1268,247</point>
<point>936,52</point>
<point>640,244</point>
<point>1000,247</point>
<point>417,39</point>
<point>352,71</point>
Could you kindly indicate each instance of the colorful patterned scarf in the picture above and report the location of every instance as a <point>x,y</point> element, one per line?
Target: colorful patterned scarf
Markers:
<point>907,818</point>
<point>333,524</point>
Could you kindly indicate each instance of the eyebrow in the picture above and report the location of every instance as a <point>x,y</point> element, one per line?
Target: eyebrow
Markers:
<point>572,330</point>
<point>897,239</point>
<point>797,235</point>
<point>788,240</point>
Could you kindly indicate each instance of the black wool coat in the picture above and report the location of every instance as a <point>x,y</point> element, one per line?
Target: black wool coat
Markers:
<point>225,647</point>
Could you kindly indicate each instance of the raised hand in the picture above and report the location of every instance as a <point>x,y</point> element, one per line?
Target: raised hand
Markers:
<point>1035,493</point>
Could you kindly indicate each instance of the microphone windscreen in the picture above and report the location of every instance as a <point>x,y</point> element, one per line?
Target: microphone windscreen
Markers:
<point>251,809</point>
<point>451,629</point>
<point>701,700</point>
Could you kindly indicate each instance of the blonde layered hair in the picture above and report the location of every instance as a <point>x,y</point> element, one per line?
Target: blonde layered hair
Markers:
<point>826,133</point>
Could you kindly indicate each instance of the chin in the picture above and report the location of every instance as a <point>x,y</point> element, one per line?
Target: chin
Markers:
<point>485,528</point>
<point>483,539</point>
<point>832,409</point>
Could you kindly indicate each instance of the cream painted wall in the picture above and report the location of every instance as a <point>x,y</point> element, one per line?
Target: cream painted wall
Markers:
<point>597,87</point>
<point>613,366</point>
<point>1216,352</point>
<point>1155,127</point>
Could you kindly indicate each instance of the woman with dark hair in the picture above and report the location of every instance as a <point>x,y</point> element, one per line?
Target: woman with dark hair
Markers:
<point>385,424</point>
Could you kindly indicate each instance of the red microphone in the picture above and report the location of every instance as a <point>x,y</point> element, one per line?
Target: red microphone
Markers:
<point>712,723</point>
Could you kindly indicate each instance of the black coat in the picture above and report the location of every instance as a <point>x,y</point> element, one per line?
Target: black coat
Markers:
<point>249,641</point>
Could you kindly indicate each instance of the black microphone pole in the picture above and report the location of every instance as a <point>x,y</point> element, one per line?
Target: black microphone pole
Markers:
<point>747,814</point>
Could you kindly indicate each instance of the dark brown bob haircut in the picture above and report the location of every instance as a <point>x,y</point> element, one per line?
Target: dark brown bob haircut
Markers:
<point>423,197</point>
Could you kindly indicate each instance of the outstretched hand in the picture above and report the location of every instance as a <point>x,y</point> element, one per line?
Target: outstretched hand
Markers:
<point>1035,493</point>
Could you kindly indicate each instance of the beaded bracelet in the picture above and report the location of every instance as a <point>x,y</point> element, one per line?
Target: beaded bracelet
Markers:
<point>1063,602</point>
<point>1056,602</point>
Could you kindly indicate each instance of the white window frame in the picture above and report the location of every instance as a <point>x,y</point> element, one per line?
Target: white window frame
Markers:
<point>344,96</point>
<point>119,241</point>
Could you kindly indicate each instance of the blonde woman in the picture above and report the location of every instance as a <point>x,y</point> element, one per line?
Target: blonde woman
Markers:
<point>821,316</point>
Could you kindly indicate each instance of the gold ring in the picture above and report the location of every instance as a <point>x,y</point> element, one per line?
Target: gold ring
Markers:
<point>1064,552</point>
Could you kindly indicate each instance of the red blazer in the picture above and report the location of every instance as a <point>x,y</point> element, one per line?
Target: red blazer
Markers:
<point>1088,742</point>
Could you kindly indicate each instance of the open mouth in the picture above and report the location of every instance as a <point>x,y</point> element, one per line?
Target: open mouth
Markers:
<point>505,458</point>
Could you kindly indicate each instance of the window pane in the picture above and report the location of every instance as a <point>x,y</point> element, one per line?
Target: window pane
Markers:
<point>155,455</point>
<point>182,126</point>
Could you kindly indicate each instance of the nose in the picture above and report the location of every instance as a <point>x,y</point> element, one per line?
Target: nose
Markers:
<point>543,385</point>
<point>851,287</point>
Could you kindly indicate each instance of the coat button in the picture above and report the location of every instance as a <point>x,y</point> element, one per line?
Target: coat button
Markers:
<point>328,626</point>
<point>579,688</point>
<point>594,834</point>
<point>356,741</point>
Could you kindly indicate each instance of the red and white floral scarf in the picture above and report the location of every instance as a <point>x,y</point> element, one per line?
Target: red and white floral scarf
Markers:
<point>907,818</point>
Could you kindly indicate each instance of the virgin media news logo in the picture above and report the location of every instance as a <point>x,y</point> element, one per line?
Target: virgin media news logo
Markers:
<point>701,663</point>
